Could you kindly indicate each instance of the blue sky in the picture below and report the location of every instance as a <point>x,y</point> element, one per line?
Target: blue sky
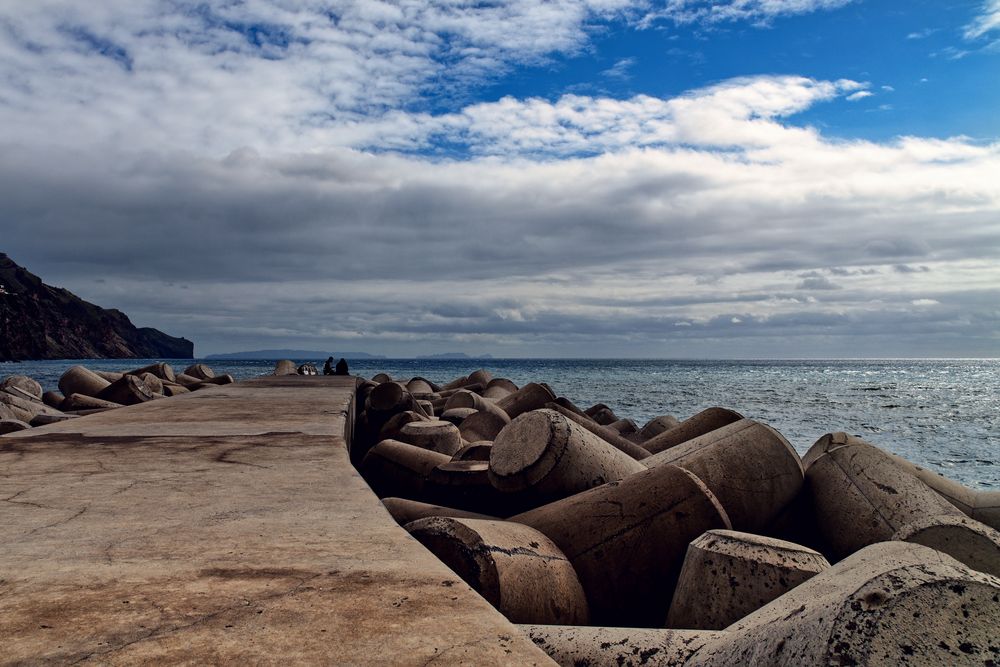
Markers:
<point>683,178</point>
<point>923,71</point>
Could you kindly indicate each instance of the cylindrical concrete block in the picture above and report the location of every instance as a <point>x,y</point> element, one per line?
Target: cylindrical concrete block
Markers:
<point>226,378</point>
<point>517,569</point>
<point>161,370</point>
<point>546,453</point>
<point>481,376</point>
<point>578,646</point>
<point>483,426</point>
<point>624,427</point>
<point>84,402</point>
<point>110,376</point>
<point>24,383</point>
<point>190,381</point>
<point>968,541</point>
<point>379,378</point>
<point>154,383</point>
<point>862,496</point>
<point>419,386</point>
<point>656,426</point>
<point>9,425</point>
<point>12,412</point>
<point>405,511</point>
<point>130,390</point>
<point>394,468</point>
<point>601,414</point>
<point>468,399</point>
<point>466,485</point>
<point>438,436</point>
<point>285,367</point>
<point>983,506</point>
<point>891,603</point>
<point>692,427</point>
<point>457,415</point>
<point>749,466</point>
<point>171,389</point>
<point>603,432</point>
<point>24,409</point>
<point>729,574</point>
<point>79,380</point>
<point>53,399</point>
<point>627,540</point>
<point>392,427</point>
<point>45,420</point>
<point>200,371</point>
<point>474,451</point>
<point>531,396</point>
<point>390,398</point>
<point>498,388</point>
<point>457,383</point>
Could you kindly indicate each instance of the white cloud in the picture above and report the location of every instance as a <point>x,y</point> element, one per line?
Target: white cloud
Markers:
<point>713,11</point>
<point>987,21</point>
<point>620,70</point>
<point>860,95</point>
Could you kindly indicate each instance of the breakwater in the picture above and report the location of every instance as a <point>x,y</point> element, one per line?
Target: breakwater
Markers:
<point>710,528</point>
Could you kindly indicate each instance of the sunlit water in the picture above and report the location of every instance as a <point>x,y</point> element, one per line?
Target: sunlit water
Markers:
<point>943,414</point>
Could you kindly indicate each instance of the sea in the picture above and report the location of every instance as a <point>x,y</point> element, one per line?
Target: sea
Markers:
<point>943,414</point>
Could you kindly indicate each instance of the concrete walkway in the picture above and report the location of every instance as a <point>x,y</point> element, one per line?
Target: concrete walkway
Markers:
<point>224,526</point>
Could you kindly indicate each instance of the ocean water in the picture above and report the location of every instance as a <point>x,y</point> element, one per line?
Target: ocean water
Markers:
<point>941,414</point>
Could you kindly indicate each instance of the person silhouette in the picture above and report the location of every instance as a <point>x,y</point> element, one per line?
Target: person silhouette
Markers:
<point>341,367</point>
<point>328,367</point>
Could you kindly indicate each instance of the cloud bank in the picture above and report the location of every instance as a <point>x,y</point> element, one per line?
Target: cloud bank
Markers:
<point>285,174</point>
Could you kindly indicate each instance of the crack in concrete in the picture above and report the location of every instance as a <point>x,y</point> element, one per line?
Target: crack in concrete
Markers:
<point>160,632</point>
<point>25,502</point>
<point>61,522</point>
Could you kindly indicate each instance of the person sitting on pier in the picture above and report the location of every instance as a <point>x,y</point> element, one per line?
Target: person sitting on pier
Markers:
<point>328,366</point>
<point>341,367</point>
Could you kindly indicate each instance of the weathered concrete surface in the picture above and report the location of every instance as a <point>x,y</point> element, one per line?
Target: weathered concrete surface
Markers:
<point>224,526</point>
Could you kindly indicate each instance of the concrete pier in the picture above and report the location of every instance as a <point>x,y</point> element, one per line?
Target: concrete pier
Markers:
<point>223,526</point>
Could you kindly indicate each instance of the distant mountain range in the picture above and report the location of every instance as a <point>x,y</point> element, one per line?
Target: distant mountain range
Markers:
<point>38,321</point>
<point>296,355</point>
<point>455,355</point>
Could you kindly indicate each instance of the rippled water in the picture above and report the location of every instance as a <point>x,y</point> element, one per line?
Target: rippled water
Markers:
<point>943,414</point>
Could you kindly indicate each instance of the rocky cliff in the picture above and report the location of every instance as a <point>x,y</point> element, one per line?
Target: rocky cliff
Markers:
<point>38,321</point>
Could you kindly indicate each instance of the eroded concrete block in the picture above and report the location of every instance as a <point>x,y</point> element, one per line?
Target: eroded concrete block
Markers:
<point>516,568</point>
<point>575,646</point>
<point>546,454</point>
<point>862,496</point>
<point>891,603</point>
<point>404,511</point>
<point>692,427</point>
<point>627,540</point>
<point>749,466</point>
<point>438,436</point>
<point>729,574</point>
<point>394,468</point>
<point>968,541</point>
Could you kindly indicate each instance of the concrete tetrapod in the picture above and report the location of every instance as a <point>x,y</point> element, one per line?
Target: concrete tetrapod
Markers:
<point>545,455</point>
<point>531,396</point>
<point>200,371</point>
<point>983,506</point>
<point>438,436</point>
<point>457,415</point>
<point>891,603</point>
<point>692,427</point>
<point>498,388</point>
<point>394,468</point>
<point>404,511</point>
<point>749,466</point>
<point>627,540</point>
<point>8,425</point>
<point>82,402</point>
<point>53,399</point>
<point>79,380</point>
<point>468,399</point>
<point>968,541</point>
<point>862,496</point>
<point>574,645</point>
<point>728,574</point>
<point>517,569</point>
<point>285,367</point>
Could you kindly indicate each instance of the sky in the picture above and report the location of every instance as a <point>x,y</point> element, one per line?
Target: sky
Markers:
<point>570,178</point>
